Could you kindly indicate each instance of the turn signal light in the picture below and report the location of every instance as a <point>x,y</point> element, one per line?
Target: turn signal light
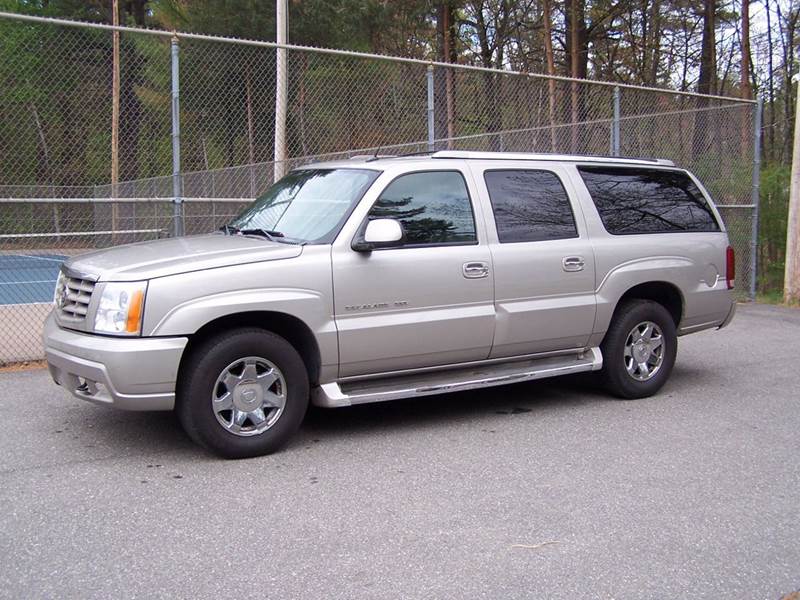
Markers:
<point>135,312</point>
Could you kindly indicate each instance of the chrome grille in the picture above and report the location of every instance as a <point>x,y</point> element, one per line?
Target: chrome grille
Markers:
<point>73,297</point>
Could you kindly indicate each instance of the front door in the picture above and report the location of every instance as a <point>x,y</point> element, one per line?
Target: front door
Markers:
<point>426,302</point>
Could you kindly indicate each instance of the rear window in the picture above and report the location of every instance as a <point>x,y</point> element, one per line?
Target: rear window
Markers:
<point>634,201</point>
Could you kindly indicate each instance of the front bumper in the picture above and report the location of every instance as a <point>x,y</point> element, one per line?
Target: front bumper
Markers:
<point>127,373</point>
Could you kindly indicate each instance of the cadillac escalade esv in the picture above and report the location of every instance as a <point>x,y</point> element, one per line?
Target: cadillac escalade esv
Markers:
<point>379,278</point>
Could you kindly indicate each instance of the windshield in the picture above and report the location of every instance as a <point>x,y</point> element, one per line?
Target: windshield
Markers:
<point>308,205</point>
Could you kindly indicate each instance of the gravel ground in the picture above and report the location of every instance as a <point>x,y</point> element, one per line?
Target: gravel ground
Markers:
<point>540,490</point>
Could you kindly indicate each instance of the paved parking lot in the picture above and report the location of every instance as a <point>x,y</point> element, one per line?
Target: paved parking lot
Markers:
<point>540,490</point>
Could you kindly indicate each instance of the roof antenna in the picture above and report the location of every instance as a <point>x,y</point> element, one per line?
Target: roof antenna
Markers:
<point>376,155</point>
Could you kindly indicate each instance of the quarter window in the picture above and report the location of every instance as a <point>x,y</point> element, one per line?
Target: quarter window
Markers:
<point>634,201</point>
<point>529,206</point>
<point>433,206</point>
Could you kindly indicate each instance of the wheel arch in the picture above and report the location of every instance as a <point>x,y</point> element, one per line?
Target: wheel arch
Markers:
<point>664,293</point>
<point>289,327</point>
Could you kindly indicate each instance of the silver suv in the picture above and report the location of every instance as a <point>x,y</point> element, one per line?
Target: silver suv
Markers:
<point>389,277</point>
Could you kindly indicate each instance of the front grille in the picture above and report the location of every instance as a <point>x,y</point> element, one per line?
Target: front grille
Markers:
<point>73,297</point>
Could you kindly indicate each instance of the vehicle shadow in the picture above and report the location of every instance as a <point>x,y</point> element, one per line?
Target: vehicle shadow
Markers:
<point>156,433</point>
<point>552,395</point>
<point>160,433</point>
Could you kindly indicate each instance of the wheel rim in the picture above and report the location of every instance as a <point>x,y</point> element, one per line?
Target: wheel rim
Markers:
<point>249,396</point>
<point>644,351</point>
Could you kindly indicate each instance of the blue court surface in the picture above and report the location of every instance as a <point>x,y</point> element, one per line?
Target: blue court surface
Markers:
<point>28,278</point>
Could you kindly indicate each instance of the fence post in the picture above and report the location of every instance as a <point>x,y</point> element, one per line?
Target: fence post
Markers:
<point>755,196</point>
<point>431,124</point>
<point>177,200</point>
<point>615,140</point>
<point>281,91</point>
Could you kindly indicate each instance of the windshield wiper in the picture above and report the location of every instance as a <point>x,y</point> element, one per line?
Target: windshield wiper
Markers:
<point>270,234</point>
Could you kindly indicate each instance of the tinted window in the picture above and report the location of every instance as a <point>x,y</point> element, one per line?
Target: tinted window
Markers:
<point>529,206</point>
<point>647,200</point>
<point>433,207</point>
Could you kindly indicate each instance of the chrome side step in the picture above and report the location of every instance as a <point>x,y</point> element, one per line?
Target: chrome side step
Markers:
<point>454,380</point>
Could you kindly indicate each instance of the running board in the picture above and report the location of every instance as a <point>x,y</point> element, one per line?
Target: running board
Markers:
<point>453,380</point>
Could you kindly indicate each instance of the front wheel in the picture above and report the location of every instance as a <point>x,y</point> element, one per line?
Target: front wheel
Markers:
<point>243,393</point>
<point>639,349</point>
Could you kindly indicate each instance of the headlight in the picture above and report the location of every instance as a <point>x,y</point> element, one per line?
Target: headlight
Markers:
<point>120,308</point>
<point>58,292</point>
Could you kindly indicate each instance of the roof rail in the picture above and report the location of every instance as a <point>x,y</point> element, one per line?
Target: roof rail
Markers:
<point>469,155</point>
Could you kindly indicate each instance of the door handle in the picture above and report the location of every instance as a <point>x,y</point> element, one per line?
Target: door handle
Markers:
<point>573,263</point>
<point>475,270</point>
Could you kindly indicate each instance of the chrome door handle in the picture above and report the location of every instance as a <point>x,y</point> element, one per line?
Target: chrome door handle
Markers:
<point>573,263</point>
<point>475,270</point>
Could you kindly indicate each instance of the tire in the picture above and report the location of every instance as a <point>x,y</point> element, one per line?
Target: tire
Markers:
<point>628,374</point>
<point>239,373</point>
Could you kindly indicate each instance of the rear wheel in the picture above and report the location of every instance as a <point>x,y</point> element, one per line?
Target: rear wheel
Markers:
<point>639,349</point>
<point>243,393</point>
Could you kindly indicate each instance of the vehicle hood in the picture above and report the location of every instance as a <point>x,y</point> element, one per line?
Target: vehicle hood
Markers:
<point>159,258</point>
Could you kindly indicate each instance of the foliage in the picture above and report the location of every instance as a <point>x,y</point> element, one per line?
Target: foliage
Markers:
<point>773,216</point>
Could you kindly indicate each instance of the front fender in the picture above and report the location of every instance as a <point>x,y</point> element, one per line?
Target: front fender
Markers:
<point>302,288</point>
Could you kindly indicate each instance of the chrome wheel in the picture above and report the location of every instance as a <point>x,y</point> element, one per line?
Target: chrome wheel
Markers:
<point>644,351</point>
<point>249,396</point>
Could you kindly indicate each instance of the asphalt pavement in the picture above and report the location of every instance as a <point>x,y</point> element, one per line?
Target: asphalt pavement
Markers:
<point>546,489</point>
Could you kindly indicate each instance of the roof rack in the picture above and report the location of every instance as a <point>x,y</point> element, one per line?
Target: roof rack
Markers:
<point>469,155</point>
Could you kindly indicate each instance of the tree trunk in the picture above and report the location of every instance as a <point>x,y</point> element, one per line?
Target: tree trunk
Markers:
<point>451,57</point>
<point>655,42</point>
<point>744,84</point>
<point>745,74</point>
<point>491,82</point>
<point>443,85</point>
<point>578,55</point>
<point>301,108</point>
<point>770,146</point>
<point>251,153</point>
<point>706,80</point>
<point>551,69</point>
<point>787,43</point>
<point>45,153</point>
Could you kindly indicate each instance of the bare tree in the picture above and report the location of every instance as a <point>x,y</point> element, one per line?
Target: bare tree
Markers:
<point>547,16</point>
<point>706,83</point>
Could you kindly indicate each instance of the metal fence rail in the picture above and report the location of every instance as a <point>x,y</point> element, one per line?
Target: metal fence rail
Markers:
<point>197,128</point>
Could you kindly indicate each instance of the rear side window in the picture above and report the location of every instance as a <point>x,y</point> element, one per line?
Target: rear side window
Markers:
<point>529,206</point>
<point>634,201</point>
<point>433,206</point>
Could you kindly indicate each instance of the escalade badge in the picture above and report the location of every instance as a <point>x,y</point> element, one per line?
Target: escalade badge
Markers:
<point>373,305</point>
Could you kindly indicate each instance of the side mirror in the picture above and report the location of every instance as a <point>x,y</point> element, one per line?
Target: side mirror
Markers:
<point>379,233</point>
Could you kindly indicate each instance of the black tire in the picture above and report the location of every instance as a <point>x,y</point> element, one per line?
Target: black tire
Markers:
<point>198,379</point>
<point>615,374</point>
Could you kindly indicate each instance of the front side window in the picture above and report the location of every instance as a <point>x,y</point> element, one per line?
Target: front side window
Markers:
<point>308,205</point>
<point>633,200</point>
<point>529,206</point>
<point>433,207</point>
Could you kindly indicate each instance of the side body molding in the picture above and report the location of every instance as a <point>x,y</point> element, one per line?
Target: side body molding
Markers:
<point>191,315</point>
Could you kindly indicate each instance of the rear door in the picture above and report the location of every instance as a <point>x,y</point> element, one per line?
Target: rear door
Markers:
<point>428,301</point>
<point>544,270</point>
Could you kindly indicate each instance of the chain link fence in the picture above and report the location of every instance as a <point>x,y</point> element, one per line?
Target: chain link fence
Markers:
<point>196,135</point>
